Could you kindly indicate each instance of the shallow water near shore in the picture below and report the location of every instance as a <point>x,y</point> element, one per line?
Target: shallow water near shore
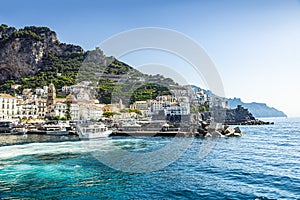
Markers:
<point>263,164</point>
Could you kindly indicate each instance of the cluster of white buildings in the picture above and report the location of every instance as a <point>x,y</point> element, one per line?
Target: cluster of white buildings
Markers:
<point>42,103</point>
<point>17,107</point>
<point>168,104</point>
<point>79,105</point>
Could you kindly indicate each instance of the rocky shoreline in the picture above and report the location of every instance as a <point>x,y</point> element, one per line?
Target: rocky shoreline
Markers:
<point>225,131</point>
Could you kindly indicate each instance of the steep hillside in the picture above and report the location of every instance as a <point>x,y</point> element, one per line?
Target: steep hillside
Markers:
<point>34,57</point>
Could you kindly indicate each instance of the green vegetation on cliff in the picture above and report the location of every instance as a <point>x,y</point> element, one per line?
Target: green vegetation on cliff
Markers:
<point>25,33</point>
<point>3,27</point>
<point>65,71</point>
<point>42,60</point>
<point>149,91</point>
<point>112,92</point>
<point>32,32</point>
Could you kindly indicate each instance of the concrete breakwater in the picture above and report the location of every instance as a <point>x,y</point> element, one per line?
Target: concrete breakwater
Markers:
<point>249,122</point>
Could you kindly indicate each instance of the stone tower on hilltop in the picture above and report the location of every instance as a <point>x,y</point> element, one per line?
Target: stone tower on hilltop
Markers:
<point>51,96</point>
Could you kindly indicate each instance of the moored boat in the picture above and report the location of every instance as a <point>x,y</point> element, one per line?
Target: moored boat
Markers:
<point>8,128</point>
<point>5,127</point>
<point>18,130</point>
<point>93,131</point>
<point>55,130</point>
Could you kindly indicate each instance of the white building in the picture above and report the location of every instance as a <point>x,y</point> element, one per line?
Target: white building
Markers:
<point>40,92</point>
<point>80,109</point>
<point>166,98</point>
<point>74,111</point>
<point>31,108</point>
<point>60,109</point>
<point>173,110</point>
<point>8,106</point>
<point>182,109</point>
<point>156,106</point>
<point>88,111</point>
<point>94,112</point>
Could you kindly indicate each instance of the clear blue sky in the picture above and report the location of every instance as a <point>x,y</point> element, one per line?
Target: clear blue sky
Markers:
<point>255,44</point>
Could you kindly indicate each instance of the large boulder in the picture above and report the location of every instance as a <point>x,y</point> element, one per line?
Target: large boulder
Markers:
<point>226,127</point>
<point>229,130</point>
<point>237,134</point>
<point>201,132</point>
<point>208,135</point>
<point>237,129</point>
<point>232,132</point>
<point>205,125</point>
<point>216,134</point>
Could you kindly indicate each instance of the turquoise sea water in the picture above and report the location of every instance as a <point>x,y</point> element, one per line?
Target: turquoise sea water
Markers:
<point>263,164</point>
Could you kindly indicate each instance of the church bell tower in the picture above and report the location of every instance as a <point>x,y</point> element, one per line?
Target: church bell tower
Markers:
<point>51,96</point>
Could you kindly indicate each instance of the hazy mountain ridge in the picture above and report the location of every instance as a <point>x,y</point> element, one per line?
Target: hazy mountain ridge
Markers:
<point>257,109</point>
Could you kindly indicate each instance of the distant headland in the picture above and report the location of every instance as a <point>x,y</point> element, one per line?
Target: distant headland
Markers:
<point>260,110</point>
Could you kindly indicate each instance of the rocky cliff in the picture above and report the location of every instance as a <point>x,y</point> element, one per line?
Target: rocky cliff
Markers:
<point>238,115</point>
<point>22,51</point>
